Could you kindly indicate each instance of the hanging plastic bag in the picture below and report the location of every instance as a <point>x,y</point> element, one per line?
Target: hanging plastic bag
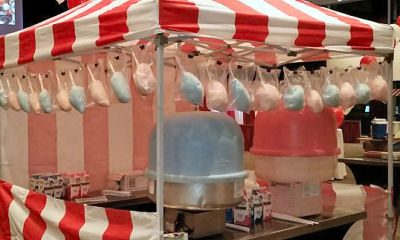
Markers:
<point>267,96</point>
<point>97,90</point>
<point>312,98</point>
<point>3,96</point>
<point>361,89</point>
<point>33,98</point>
<point>144,79</point>
<point>216,92</point>
<point>347,93</point>
<point>23,98</point>
<point>120,85</point>
<point>62,96</point>
<point>190,86</point>
<point>44,97</point>
<point>241,99</point>
<point>293,97</point>
<point>77,96</point>
<point>376,82</point>
<point>12,97</point>
<point>330,92</point>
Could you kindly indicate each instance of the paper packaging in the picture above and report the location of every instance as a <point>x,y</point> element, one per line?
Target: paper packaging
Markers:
<point>267,203</point>
<point>200,224</point>
<point>85,184</point>
<point>297,199</point>
<point>134,181</point>
<point>243,212</point>
<point>58,186</point>
<point>34,182</point>
<point>72,186</point>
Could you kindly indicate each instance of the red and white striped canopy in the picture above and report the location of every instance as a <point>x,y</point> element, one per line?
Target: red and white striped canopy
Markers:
<point>286,23</point>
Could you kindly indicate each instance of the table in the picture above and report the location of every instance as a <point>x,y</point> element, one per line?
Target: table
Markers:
<point>332,226</point>
<point>138,202</point>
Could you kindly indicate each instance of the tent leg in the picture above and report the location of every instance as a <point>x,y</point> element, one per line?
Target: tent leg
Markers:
<point>390,213</point>
<point>160,42</point>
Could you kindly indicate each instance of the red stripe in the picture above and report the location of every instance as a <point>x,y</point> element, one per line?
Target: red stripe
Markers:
<point>311,31</point>
<point>250,24</point>
<point>42,143</point>
<point>306,57</point>
<point>362,35</point>
<point>64,32</point>
<point>27,46</point>
<point>120,225</point>
<point>2,51</point>
<point>73,220</point>
<point>113,24</point>
<point>185,20</point>
<point>34,226</point>
<point>96,150</point>
<point>265,57</point>
<point>5,200</point>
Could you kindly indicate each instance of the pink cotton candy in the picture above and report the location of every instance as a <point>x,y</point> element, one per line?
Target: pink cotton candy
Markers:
<point>347,96</point>
<point>266,97</point>
<point>314,101</point>
<point>379,89</point>
<point>217,97</point>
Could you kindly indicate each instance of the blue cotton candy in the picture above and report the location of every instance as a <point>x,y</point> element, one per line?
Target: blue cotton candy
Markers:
<point>3,99</point>
<point>23,100</point>
<point>77,98</point>
<point>363,93</point>
<point>331,96</point>
<point>294,98</point>
<point>191,88</point>
<point>241,97</point>
<point>45,101</point>
<point>121,87</point>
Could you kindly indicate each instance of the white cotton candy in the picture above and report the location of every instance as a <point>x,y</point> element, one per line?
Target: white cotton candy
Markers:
<point>34,102</point>
<point>293,98</point>
<point>331,96</point>
<point>362,93</point>
<point>3,99</point>
<point>241,98</point>
<point>314,101</point>
<point>191,88</point>
<point>379,89</point>
<point>98,93</point>
<point>121,87</point>
<point>45,101</point>
<point>217,97</point>
<point>63,101</point>
<point>347,96</point>
<point>77,98</point>
<point>23,100</point>
<point>144,79</point>
<point>266,97</point>
<point>13,100</point>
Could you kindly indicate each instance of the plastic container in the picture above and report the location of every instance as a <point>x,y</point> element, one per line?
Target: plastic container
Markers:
<point>203,161</point>
<point>379,128</point>
<point>295,146</point>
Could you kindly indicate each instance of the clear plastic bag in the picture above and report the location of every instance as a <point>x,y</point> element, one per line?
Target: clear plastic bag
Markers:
<point>347,93</point>
<point>312,97</point>
<point>33,97</point>
<point>44,97</point>
<point>119,84</point>
<point>3,94</point>
<point>329,91</point>
<point>239,86</point>
<point>22,96</point>
<point>12,96</point>
<point>216,90</point>
<point>97,90</point>
<point>267,95</point>
<point>190,86</point>
<point>77,96</point>
<point>376,81</point>
<point>293,96</point>
<point>62,100</point>
<point>362,90</point>
<point>143,76</point>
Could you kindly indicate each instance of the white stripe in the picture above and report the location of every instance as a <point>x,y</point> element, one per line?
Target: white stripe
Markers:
<point>337,32</point>
<point>52,214</point>
<point>120,138</point>
<point>144,226</point>
<point>11,49</point>
<point>70,147</point>
<point>282,27</point>
<point>220,25</point>
<point>44,35</point>
<point>87,29</point>
<point>144,9</point>
<point>15,147</point>
<point>17,212</point>
<point>96,223</point>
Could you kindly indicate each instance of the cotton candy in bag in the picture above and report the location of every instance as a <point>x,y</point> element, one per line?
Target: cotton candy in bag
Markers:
<point>241,99</point>
<point>3,96</point>
<point>12,97</point>
<point>144,78</point>
<point>361,89</point>
<point>44,98</point>
<point>77,96</point>
<point>23,98</point>
<point>347,93</point>
<point>62,96</point>
<point>376,82</point>
<point>293,97</point>
<point>33,98</point>
<point>97,90</point>
<point>216,94</point>
<point>330,92</point>
<point>191,87</point>
<point>266,97</point>
<point>120,86</point>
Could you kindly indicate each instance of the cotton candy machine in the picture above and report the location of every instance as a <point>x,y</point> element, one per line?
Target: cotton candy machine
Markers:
<point>295,146</point>
<point>203,162</point>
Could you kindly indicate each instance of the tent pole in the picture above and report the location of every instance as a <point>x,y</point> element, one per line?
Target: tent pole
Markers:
<point>160,41</point>
<point>390,213</point>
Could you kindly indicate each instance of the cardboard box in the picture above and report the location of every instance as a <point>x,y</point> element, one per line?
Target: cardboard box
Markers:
<point>297,199</point>
<point>134,181</point>
<point>198,224</point>
<point>72,186</point>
